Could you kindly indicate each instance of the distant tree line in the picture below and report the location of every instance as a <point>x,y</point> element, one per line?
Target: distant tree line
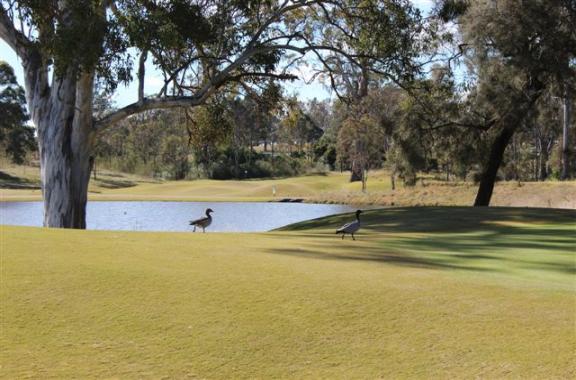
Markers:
<point>405,131</point>
<point>230,137</point>
<point>239,137</point>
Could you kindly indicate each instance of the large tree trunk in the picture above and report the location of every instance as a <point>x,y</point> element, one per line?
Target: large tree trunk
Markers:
<point>60,106</point>
<point>66,137</point>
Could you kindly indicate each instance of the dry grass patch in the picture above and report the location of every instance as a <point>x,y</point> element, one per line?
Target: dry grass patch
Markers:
<point>330,188</point>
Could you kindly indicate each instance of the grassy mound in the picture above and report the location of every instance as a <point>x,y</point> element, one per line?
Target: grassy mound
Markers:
<point>427,292</point>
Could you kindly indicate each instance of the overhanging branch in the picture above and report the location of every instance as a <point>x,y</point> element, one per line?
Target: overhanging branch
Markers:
<point>234,70</point>
<point>14,38</point>
<point>150,104</point>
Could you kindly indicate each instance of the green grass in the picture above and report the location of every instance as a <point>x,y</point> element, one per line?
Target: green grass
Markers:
<point>422,293</point>
<point>536,245</point>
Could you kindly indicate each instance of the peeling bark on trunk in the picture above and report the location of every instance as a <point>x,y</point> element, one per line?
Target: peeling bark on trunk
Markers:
<point>66,136</point>
<point>60,106</point>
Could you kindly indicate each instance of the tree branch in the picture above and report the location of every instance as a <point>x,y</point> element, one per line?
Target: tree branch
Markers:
<point>148,104</point>
<point>481,127</point>
<point>283,9</point>
<point>282,76</point>
<point>14,38</point>
<point>141,74</point>
<point>225,75</point>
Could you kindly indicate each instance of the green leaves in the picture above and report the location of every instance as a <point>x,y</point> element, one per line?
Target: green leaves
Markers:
<point>190,22</point>
<point>170,25</point>
<point>452,9</point>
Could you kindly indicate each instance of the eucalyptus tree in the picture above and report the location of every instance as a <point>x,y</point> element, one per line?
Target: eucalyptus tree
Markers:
<point>384,37</point>
<point>68,46</point>
<point>517,50</point>
<point>361,142</point>
<point>208,126</point>
<point>377,41</point>
<point>298,128</point>
<point>369,130</point>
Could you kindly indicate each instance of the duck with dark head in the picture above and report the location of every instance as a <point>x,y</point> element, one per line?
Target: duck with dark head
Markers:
<point>350,228</point>
<point>203,222</point>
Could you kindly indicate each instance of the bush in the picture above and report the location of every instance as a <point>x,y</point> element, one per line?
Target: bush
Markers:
<point>257,165</point>
<point>474,176</point>
<point>318,168</point>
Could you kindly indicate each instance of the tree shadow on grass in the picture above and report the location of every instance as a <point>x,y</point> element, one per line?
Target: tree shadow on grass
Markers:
<point>114,183</point>
<point>472,239</point>
<point>510,247</point>
<point>378,256</point>
<point>498,238</point>
<point>8,181</point>
<point>442,219</point>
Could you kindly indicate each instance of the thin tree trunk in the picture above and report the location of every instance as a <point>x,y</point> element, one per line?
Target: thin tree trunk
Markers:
<point>236,158</point>
<point>514,159</point>
<point>356,170</point>
<point>358,162</point>
<point>565,131</point>
<point>236,163</point>
<point>272,151</point>
<point>488,177</point>
<point>93,166</point>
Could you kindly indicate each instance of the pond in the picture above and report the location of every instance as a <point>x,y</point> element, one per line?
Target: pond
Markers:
<point>175,216</point>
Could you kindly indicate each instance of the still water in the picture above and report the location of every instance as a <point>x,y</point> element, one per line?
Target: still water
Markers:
<point>174,216</point>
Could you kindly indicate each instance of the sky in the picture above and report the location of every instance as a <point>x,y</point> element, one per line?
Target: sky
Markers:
<point>153,82</point>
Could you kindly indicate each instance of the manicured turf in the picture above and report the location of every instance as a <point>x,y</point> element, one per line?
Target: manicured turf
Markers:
<point>422,293</point>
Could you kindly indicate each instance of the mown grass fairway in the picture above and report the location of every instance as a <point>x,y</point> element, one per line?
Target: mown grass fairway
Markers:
<point>423,292</point>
